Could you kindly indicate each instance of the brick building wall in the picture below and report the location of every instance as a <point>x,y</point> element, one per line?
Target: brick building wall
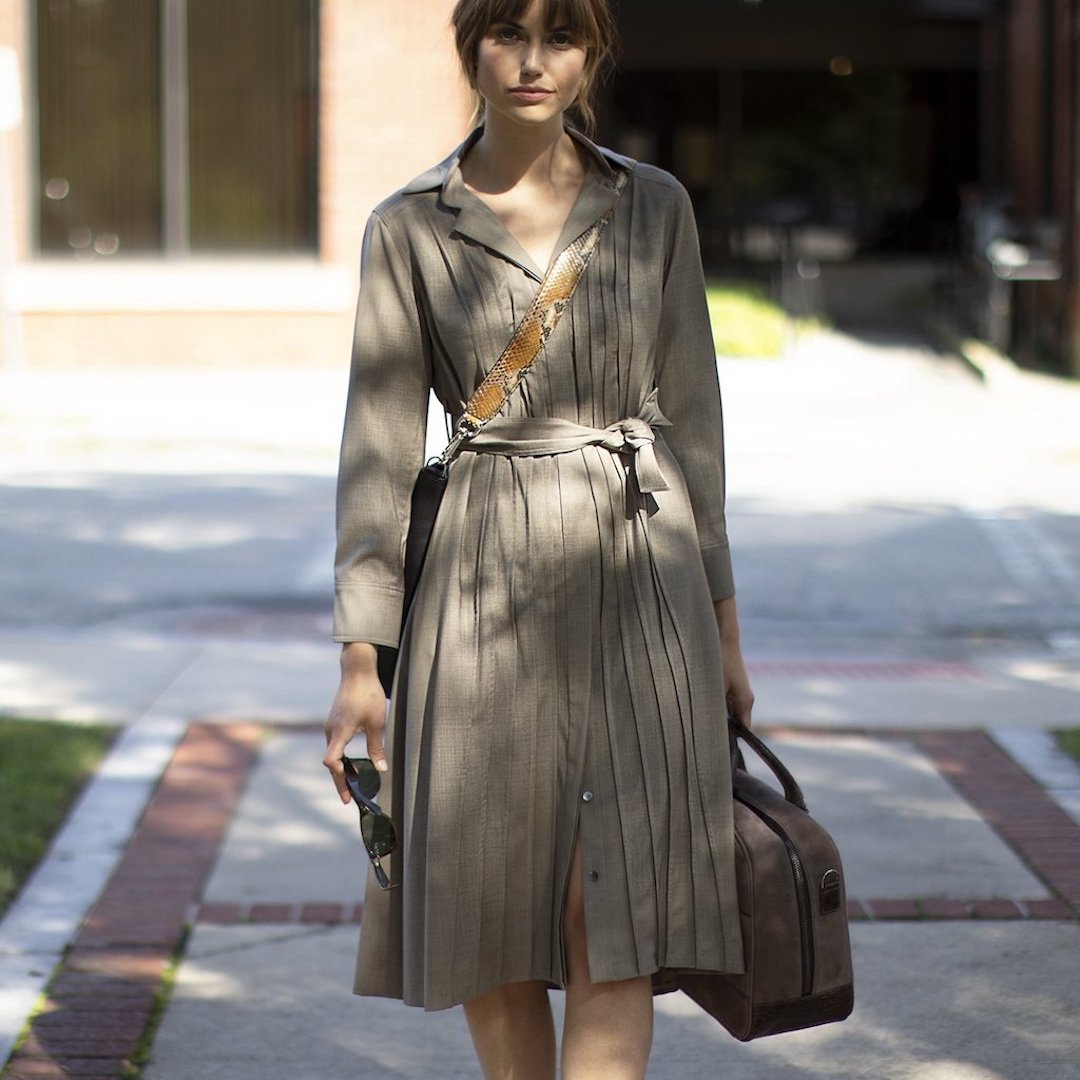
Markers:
<point>13,34</point>
<point>391,103</point>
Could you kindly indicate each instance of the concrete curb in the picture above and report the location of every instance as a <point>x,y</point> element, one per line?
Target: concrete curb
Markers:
<point>46,915</point>
<point>102,999</point>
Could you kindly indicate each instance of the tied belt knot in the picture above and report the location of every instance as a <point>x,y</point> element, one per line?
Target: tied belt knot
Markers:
<point>540,436</point>
<point>636,436</point>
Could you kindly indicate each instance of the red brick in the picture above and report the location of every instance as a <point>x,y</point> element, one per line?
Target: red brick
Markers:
<point>894,909</point>
<point>83,1068</point>
<point>64,1044</point>
<point>1064,848</point>
<point>222,914</point>
<point>1047,909</point>
<point>328,914</point>
<point>995,909</point>
<point>941,907</point>
<point>62,1037</point>
<point>128,964</point>
<point>1038,830</point>
<point>272,913</point>
<point>25,1068</point>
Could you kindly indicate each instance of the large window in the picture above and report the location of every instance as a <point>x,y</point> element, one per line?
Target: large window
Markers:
<point>177,126</point>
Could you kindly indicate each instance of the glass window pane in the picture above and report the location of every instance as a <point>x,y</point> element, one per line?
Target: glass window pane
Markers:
<point>99,132</point>
<point>252,108</point>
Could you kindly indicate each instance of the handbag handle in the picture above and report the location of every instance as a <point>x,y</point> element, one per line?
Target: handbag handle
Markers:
<point>792,791</point>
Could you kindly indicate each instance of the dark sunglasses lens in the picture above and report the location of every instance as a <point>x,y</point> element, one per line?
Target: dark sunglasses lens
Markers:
<point>378,833</point>
<point>365,776</point>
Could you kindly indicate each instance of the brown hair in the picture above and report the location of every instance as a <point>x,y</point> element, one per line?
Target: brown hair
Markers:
<point>589,20</point>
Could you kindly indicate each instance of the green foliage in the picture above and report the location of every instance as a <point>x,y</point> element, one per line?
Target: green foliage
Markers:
<point>1069,741</point>
<point>745,322</point>
<point>43,766</point>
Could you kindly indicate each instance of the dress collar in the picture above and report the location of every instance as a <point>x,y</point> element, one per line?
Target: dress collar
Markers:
<point>477,221</point>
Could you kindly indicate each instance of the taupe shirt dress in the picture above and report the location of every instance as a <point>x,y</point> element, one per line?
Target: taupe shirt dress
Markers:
<point>559,675</point>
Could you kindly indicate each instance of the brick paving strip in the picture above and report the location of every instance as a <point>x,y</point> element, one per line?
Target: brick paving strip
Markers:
<point>103,996</point>
<point>1011,803</point>
<point>102,999</point>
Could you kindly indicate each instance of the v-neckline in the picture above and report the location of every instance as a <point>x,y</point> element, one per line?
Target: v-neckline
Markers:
<point>478,221</point>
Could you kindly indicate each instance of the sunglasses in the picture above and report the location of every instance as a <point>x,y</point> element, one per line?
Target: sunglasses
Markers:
<point>376,828</point>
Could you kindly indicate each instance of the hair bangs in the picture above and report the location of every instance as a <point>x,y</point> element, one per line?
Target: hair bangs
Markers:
<point>576,16</point>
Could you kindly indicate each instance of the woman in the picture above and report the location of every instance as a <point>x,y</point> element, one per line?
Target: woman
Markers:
<point>562,789</point>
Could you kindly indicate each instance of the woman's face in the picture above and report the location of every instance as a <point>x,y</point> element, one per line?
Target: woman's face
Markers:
<point>527,71</point>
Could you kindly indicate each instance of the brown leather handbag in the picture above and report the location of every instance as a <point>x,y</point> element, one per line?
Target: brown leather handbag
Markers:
<point>793,910</point>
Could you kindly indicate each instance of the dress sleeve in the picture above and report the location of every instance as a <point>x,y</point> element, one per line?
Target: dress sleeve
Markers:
<point>382,447</point>
<point>689,394</point>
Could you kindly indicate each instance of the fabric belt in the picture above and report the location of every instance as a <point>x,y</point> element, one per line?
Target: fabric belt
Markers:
<point>540,436</point>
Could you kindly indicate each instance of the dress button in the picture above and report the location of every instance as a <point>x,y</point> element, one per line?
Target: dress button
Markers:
<point>593,875</point>
<point>586,796</point>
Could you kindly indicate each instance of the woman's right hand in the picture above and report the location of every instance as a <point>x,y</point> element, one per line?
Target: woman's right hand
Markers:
<point>359,706</point>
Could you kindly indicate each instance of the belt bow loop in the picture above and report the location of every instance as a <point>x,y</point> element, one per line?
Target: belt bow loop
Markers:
<point>539,436</point>
<point>636,434</point>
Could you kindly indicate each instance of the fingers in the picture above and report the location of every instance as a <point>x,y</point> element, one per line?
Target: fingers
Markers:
<point>740,704</point>
<point>376,751</point>
<point>335,750</point>
<point>742,714</point>
<point>739,696</point>
<point>359,707</point>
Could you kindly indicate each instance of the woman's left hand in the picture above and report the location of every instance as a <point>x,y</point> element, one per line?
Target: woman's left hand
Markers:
<point>737,692</point>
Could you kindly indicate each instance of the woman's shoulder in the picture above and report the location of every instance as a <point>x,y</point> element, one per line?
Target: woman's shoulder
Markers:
<point>660,185</point>
<point>650,179</point>
<point>416,198</point>
<point>405,205</point>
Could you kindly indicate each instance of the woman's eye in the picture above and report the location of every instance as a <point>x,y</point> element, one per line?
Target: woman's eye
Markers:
<point>563,40</point>
<point>506,33</point>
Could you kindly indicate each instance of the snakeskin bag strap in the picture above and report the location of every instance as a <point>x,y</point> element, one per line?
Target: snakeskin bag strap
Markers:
<point>535,329</point>
<point>531,335</point>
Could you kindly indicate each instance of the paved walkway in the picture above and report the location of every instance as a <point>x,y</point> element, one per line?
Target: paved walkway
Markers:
<point>212,834</point>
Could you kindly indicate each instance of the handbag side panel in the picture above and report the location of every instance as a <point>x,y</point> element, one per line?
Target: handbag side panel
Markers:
<point>767,911</point>
<point>831,997</point>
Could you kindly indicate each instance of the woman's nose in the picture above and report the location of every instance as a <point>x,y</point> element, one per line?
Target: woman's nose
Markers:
<point>532,63</point>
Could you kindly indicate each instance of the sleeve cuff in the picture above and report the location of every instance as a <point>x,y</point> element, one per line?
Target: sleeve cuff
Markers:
<point>717,561</point>
<point>368,613</point>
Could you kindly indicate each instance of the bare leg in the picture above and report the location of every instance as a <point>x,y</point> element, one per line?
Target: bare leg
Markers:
<point>513,1032</point>
<point>607,1034</point>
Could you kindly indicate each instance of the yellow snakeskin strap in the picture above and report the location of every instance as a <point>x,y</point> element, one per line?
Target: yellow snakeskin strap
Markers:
<point>536,326</point>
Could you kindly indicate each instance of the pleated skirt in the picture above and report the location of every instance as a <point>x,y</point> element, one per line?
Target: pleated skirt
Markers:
<point>559,681</point>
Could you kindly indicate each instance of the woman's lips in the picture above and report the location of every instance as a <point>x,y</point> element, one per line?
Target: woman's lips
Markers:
<point>527,93</point>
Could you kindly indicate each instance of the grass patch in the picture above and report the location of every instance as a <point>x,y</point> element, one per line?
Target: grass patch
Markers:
<point>43,766</point>
<point>746,322</point>
<point>1069,741</point>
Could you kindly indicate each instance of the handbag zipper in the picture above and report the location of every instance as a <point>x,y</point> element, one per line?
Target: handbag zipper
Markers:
<point>802,896</point>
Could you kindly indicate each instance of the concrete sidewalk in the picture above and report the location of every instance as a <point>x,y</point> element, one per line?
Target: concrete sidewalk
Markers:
<point>956,860</point>
<point>962,971</point>
<point>958,820</point>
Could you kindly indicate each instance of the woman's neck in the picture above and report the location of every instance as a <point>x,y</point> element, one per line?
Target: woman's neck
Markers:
<point>507,155</point>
